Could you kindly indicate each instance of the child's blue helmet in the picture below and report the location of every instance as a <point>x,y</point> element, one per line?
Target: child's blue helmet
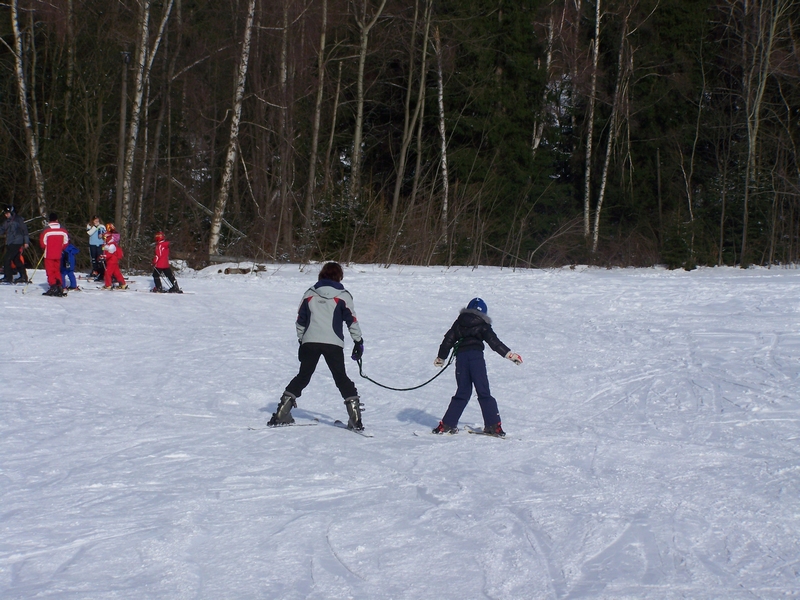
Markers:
<point>478,304</point>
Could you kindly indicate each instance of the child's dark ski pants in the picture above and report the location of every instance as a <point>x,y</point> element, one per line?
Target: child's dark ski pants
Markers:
<point>471,371</point>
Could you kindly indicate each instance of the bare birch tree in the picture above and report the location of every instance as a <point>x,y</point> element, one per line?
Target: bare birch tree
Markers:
<point>442,134</point>
<point>145,55</point>
<point>365,25</point>
<point>409,120</point>
<point>766,17</point>
<point>312,162</point>
<point>31,137</point>
<point>613,129</point>
<point>587,190</point>
<point>123,116</point>
<point>230,157</point>
<point>539,122</point>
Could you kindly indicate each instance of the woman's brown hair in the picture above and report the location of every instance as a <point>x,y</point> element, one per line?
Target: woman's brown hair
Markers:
<point>332,271</point>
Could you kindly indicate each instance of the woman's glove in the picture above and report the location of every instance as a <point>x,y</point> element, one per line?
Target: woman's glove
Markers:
<point>358,349</point>
<point>514,357</point>
<point>438,362</point>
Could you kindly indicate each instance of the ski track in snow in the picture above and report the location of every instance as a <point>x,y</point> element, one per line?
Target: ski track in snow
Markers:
<point>652,450</point>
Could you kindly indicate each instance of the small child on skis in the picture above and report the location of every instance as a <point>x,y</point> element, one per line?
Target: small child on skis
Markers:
<point>112,254</point>
<point>161,266</point>
<point>470,330</point>
<point>68,265</point>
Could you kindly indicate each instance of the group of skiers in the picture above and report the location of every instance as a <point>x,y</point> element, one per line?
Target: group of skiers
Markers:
<point>59,255</point>
<point>327,307</point>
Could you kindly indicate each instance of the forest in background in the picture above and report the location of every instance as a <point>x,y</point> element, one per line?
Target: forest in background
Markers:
<point>521,133</point>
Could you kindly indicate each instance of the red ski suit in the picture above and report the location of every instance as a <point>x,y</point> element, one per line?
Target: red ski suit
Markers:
<point>112,254</point>
<point>161,259</point>
<point>53,240</point>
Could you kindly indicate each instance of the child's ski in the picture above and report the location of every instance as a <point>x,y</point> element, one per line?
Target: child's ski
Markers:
<point>482,432</point>
<point>428,432</point>
<point>295,424</point>
<point>363,433</point>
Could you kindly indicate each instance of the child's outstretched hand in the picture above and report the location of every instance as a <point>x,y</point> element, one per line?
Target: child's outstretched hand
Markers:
<point>514,357</point>
<point>438,362</point>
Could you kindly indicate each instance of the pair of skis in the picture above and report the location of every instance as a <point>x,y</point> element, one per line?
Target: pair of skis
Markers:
<point>367,434</point>
<point>468,429</point>
<point>336,423</point>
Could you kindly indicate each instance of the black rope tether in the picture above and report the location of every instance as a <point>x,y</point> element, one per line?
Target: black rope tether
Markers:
<point>416,387</point>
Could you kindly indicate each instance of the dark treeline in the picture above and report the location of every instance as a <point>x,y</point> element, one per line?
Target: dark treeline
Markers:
<point>507,132</point>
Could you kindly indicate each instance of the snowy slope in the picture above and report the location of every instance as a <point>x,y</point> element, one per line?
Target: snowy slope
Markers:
<point>653,447</point>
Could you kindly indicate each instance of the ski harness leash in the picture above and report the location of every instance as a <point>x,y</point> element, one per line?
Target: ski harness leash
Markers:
<point>416,387</point>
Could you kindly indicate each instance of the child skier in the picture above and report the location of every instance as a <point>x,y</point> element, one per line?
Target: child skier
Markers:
<point>53,240</point>
<point>470,330</point>
<point>112,254</point>
<point>68,265</point>
<point>325,309</point>
<point>95,230</point>
<point>161,266</point>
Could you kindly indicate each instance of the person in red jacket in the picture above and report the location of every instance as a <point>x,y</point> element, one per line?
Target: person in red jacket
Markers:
<point>161,266</point>
<point>112,253</point>
<point>53,240</point>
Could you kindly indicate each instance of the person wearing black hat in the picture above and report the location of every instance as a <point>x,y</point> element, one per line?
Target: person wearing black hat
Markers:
<point>17,240</point>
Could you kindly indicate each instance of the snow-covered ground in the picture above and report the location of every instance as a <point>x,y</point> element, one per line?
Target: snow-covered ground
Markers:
<point>653,448</point>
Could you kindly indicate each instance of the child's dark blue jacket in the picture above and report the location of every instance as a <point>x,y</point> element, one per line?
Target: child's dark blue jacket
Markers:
<point>68,257</point>
<point>472,328</point>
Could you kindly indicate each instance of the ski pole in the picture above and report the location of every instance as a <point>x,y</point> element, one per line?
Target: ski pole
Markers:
<point>161,273</point>
<point>30,279</point>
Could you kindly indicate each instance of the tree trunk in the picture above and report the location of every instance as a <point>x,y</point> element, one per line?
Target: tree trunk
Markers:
<point>755,81</point>
<point>587,176</point>
<point>123,115</point>
<point>230,158</point>
<point>538,124</point>
<point>410,121</point>
<point>285,214</point>
<point>31,138</point>
<point>327,176</point>
<point>613,129</point>
<point>312,163</point>
<point>442,136</point>
<point>144,62</point>
<point>70,79</point>
<point>364,27</point>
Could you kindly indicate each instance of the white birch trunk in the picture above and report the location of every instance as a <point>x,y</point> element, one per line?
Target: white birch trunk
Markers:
<point>230,158</point>
<point>284,216</point>
<point>409,124</point>
<point>442,135</point>
<point>123,116</point>
<point>587,176</point>
<point>613,129</point>
<point>769,14</point>
<point>312,166</point>
<point>70,58</point>
<point>364,27</point>
<point>31,138</point>
<point>327,173</point>
<point>144,63</point>
<point>538,125</point>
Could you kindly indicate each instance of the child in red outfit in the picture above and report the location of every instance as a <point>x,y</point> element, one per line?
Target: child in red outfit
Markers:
<point>112,253</point>
<point>53,240</point>
<point>161,266</point>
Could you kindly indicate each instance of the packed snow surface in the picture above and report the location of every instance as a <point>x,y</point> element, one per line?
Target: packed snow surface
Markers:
<point>653,447</point>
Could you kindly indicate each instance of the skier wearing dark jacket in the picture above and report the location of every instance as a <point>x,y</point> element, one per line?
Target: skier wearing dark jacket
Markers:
<point>326,308</point>
<point>17,240</point>
<point>471,329</point>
